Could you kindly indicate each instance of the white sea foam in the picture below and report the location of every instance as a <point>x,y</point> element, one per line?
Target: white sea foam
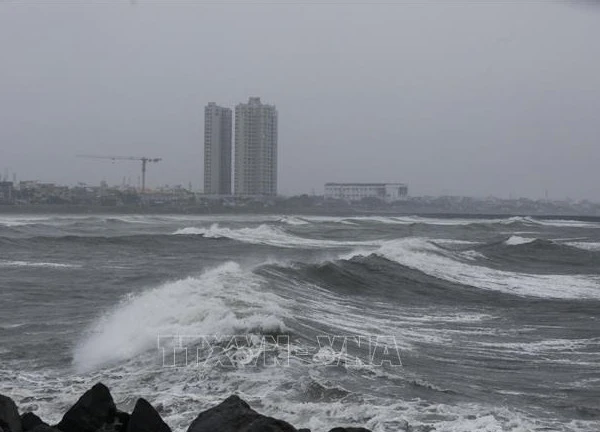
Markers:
<point>544,346</point>
<point>589,246</point>
<point>15,221</point>
<point>4,263</point>
<point>518,240</point>
<point>568,223</point>
<point>423,255</point>
<point>455,242</point>
<point>409,220</point>
<point>473,255</point>
<point>293,220</point>
<point>224,300</point>
<point>268,235</point>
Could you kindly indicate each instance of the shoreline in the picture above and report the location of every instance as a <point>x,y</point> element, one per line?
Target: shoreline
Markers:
<point>61,210</point>
<point>95,411</point>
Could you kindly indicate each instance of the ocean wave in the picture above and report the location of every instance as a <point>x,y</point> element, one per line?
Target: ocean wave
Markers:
<point>17,221</point>
<point>518,240</point>
<point>268,235</point>
<point>587,246</point>
<point>223,300</point>
<point>568,223</point>
<point>4,263</point>
<point>423,255</point>
<point>293,220</point>
<point>454,221</point>
<point>572,346</point>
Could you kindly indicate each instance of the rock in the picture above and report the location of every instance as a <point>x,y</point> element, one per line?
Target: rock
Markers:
<point>44,428</point>
<point>145,418</point>
<point>9,415</point>
<point>29,421</point>
<point>93,411</point>
<point>121,421</point>
<point>235,415</point>
<point>269,424</point>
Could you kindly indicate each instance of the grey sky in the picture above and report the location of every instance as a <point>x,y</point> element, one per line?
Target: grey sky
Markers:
<point>458,97</point>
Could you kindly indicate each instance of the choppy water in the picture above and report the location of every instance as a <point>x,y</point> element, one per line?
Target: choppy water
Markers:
<point>496,321</point>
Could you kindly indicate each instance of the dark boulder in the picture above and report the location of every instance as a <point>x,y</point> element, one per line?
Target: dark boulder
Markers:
<point>145,418</point>
<point>235,415</point>
<point>44,428</point>
<point>29,421</point>
<point>121,421</point>
<point>94,410</point>
<point>9,415</point>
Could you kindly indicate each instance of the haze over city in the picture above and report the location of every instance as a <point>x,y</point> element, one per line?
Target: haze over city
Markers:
<point>459,98</point>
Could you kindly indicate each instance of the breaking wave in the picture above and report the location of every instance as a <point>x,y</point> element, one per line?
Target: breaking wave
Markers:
<point>587,246</point>
<point>267,235</point>
<point>223,300</point>
<point>425,256</point>
<point>443,221</point>
<point>518,240</point>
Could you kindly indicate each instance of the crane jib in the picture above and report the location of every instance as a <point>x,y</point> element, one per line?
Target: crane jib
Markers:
<point>143,159</point>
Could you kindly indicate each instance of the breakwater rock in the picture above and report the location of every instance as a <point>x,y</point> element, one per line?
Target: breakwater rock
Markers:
<point>95,411</point>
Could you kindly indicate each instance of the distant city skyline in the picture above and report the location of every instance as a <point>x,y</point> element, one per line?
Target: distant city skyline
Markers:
<point>470,98</point>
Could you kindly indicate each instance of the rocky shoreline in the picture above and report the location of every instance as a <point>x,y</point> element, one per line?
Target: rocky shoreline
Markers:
<point>95,411</point>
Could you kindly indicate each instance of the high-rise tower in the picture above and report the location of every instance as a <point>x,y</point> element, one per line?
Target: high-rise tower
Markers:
<point>217,150</point>
<point>255,149</point>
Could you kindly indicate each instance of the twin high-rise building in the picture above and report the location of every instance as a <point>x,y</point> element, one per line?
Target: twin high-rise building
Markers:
<point>255,149</point>
<point>255,172</point>
<point>217,150</point>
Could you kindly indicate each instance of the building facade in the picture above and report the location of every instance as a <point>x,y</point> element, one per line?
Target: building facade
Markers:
<point>217,150</point>
<point>387,192</point>
<point>255,171</point>
<point>7,195</point>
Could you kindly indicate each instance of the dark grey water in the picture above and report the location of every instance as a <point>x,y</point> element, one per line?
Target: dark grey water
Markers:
<point>496,322</point>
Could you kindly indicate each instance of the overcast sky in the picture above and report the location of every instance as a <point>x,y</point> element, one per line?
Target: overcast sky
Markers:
<point>452,97</point>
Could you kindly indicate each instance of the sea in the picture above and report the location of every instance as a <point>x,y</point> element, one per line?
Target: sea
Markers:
<point>393,323</point>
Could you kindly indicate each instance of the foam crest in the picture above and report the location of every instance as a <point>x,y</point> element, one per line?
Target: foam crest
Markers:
<point>422,255</point>
<point>16,221</point>
<point>293,220</point>
<point>442,221</point>
<point>518,240</point>
<point>224,300</point>
<point>588,246</point>
<point>4,263</point>
<point>267,235</point>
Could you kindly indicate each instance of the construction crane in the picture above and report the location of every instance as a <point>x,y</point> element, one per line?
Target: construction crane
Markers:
<point>144,161</point>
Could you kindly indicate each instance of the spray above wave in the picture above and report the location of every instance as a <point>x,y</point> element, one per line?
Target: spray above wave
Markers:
<point>224,300</point>
<point>268,235</point>
<point>425,256</point>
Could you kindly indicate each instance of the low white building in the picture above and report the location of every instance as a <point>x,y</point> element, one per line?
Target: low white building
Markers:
<point>387,192</point>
